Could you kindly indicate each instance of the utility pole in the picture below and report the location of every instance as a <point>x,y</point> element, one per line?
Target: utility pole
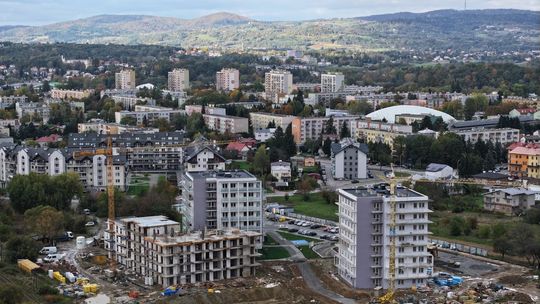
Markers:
<point>465,6</point>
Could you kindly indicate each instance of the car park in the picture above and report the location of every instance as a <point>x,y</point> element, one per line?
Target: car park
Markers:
<point>293,229</point>
<point>315,226</point>
<point>305,224</point>
<point>311,233</point>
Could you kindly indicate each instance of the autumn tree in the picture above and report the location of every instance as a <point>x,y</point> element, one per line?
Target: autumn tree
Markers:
<point>44,221</point>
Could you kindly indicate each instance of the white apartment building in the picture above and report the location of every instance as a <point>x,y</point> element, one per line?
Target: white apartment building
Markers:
<point>226,123</point>
<point>155,248</point>
<point>349,159</point>
<point>276,83</point>
<point>281,171</point>
<point>364,238</point>
<point>222,200</point>
<point>178,80</point>
<point>260,120</point>
<point>227,80</point>
<point>498,135</point>
<point>203,159</point>
<point>70,94</point>
<point>332,82</point>
<point>148,113</point>
<point>102,127</point>
<point>32,109</point>
<point>125,80</point>
<point>130,101</point>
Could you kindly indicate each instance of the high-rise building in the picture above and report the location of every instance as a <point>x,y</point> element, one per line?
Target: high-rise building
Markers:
<point>276,83</point>
<point>332,82</point>
<point>125,80</point>
<point>178,80</point>
<point>222,200</point>
<point>364,237</point>
<point>227,80</point>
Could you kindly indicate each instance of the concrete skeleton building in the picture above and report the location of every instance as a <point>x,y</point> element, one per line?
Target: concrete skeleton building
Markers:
<point>178,80</point>
<point>349,159</point>
<point>222,200</point>
<point>277,83</point>
<point>227,80</point>
<point>125,80</point>
<point>155,248</point>
<point>332,82</point>
<point>364,238</point>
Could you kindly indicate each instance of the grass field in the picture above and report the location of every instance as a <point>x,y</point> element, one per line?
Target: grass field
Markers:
<point>273,253</point>
<point>242,165</point>
<point>140,184</point>
<point>316,206</point>
<point>306,251</point>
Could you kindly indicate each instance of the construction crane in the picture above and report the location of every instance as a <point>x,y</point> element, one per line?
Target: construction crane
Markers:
<point>108,152</point>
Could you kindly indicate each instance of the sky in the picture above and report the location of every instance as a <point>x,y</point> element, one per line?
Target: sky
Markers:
<point>40,12</point>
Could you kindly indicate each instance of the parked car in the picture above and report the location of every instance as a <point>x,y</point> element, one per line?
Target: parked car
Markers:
<point>311,233</point>
<point>324,236</point>
<point>293,230</point>
<point>54,257</point>
<point>306,224</point>
<point>334,230</point>
<point>86,211</point>
<point>333,238</point>
<point>315,226</point>
<point>298,223</point>
<point>369,175</point>
<point>291,222</point>
<point>90,224</point>
<point>355,181</point>
<point>48,250</point>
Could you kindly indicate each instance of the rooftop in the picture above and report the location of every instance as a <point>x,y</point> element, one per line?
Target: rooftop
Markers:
<point>433,167</point>
<point>220,174</point>
<point>201,237</point>
<point>150,221</point>
<point>514,191</point>
<point>381,190</point>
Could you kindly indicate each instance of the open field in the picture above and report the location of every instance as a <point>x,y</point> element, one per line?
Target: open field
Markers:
<point>316,206</point>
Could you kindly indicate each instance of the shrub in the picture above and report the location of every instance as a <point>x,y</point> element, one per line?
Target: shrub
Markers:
<point>47,290</point>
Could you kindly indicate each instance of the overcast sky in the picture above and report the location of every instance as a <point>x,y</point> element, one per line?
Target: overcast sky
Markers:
<point>39,12</point>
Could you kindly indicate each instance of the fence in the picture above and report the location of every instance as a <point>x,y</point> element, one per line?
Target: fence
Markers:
<point>461,247</point>
<point>312,219</point>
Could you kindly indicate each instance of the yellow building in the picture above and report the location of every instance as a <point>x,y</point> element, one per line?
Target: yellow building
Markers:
<point>371,136</point>
<point>523,161</point>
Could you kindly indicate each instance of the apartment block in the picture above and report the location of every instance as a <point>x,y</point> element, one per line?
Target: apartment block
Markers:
<point>155,248</point>
<point>349,159</point>
<point>33,109</point>
<point>178,80</point>
<point>260,120</point>
<point>227,80</point>
<point>364,237</point>
<point>312,127</point>
<point>277,83</point>
<point>125,80</point>
<point>148,113</point>
<point>498,135</point>
<point>100,126</point>
<point>226,123</point>
<point>378,131</point>
<point>130,101</point>
<point>222,200</point>
<point>510,201</point>
<point>70,94</point>
<point>332,82</point>
<point>524,161</point>
<point>13,99</point>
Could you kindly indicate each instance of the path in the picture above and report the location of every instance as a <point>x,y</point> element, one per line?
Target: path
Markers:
<point>312,281</point>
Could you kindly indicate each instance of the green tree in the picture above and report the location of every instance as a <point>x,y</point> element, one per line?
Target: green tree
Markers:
<point>261,160</point>
<point>327,146</point>
<point>44,221</point>
<point>20,247</point>
<point>456,226</point>
<point>502,245</point>
<point>288,141</point>
<point>195,124</point>
<point>329,127</point>
<point>478,102</point>
<point>128,120</point>
<point>344,132</point>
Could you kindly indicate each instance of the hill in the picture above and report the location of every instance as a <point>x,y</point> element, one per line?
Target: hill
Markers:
<point>463,30</point>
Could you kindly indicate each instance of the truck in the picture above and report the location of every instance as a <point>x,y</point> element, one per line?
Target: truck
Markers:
<point>68,235</point>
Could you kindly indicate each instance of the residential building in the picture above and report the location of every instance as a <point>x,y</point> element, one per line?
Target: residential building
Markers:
<point>45,141</point>
<point>438,171</point>
<point>156,249</point>
<point>281,171</point>
<point>524,161</point>
<point>130,101</point>
<point>304,128</point>
<point>13,123</point>
<point>262,135</point>
<point>178,80</point>
<point>260,120</point>
<point>498,135</point>
<point>378,131</point>
<point>125,80</point>
<point>510,201</point>
<point>100,126</point>
<point>349,159</point>
<point>332,82</point>
<point>226,123</point>
<point>203,159</point>
<point>33,109</point>
<point>227,80</point>
<point>365,237</point>
<point>10,100</point>
<point>222,200</point>
<point>147,114</point>
<point>70,94</point>
<point>276,83</point>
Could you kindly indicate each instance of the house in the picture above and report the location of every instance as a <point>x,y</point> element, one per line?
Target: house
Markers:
<point>524,111</point>
<point>309,162</point>
<point>262,135</point>
<point>46,140</point>
<point>438,171</point>
<point>241,148</point>
<point>510,201</point>
<point>349,159</point>
<point>281,171</point>
<point>203,159</point>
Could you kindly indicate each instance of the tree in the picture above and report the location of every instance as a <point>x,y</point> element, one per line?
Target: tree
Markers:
<point>128,120</point>
<point>195,124</point>
<point>329,127</point>
<point>330,197</point>
<point>344,132</point>
<point>288,141</point>
<point>477,102</point>
<point>45,87</point>
<point>456,226</point>
<point>502,245</point>
<point>21,247</point>
<point>44,221</point>
<point>305,186</point>
<point>261,160</point>
<point>271,124</point>
<point>9,295</point>
<point>327,146</point>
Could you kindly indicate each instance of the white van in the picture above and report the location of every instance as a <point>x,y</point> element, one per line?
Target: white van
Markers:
<point>48,250</point>
<point>51,258</point>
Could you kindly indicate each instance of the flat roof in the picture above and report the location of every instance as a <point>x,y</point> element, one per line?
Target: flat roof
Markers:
<point>382,190</point>
<point>221,174</point>
<point>150,221</point>
<point>198,237</point>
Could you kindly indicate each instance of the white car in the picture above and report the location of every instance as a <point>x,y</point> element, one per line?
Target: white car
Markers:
<point>90,224</point>
<point>305,224</point>
<point>53,258</point>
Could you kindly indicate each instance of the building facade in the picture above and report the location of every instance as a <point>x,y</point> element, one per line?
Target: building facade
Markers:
<point>364,238</point>
<point>125,80</point>
<point>498,135</point>
<point>178,80</point>
<point>312,127</point>
<point>227,80</point>
<point>226,123</point>
<point>524,161</point>
<point>260,120</point>
<point>510,201</point>
<point>349,159</point>
<point>277,83</point>
<point>70,94</point>
<point>332,82</point>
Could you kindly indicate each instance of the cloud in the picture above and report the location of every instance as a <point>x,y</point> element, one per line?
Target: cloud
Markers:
<point>38,12</point>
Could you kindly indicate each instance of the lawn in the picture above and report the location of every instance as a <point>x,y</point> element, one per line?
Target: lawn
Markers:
<point>242,165</point>
<point>268,240</point>
<point>138,189</point>
<point>402,174</point>
<point>306,251</point>
<point>273,253</point>
<point>316,206</point>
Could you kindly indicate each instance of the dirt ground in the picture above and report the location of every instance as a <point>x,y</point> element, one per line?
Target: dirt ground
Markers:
<point>326,271</point>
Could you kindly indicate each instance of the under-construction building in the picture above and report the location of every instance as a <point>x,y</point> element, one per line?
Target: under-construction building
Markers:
<point>365,217</point>
<point>154,248</point>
